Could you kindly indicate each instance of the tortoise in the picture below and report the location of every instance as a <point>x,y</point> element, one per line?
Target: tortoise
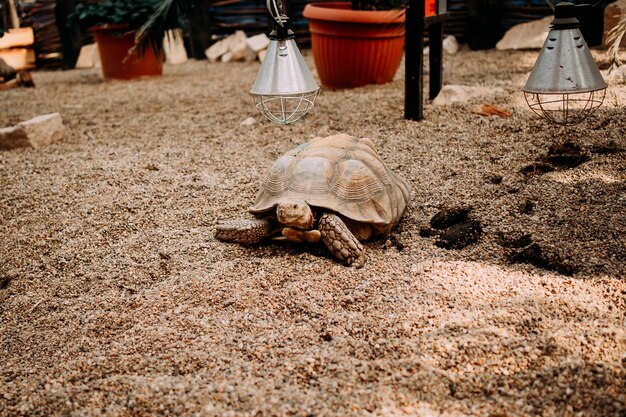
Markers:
<point>335,189</point>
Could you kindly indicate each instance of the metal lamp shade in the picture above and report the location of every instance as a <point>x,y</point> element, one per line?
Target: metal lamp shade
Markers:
<point>285,89</point>
<point>565,85</point>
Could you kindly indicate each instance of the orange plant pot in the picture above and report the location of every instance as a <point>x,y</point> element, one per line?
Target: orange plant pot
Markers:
<point>352,48</point>
<point>114,41</point>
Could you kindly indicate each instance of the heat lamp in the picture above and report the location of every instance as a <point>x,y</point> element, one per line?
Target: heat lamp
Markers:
<point>565,85</point>
<point>284,90</point>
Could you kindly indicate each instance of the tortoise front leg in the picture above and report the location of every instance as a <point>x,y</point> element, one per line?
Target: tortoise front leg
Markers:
<point>340,240</point>
<point>244,231</point>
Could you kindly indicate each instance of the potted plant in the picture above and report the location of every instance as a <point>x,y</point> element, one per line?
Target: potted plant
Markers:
<point>356,43</point>
<point>129,34</point>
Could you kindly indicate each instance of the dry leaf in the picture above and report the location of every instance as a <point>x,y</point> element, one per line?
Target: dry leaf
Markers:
<point>491,110</point>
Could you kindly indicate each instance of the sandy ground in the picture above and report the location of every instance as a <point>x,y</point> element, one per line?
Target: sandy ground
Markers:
<point>115,298</point>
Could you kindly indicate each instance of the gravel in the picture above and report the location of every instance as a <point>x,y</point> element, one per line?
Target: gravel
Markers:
<point>116,300</point>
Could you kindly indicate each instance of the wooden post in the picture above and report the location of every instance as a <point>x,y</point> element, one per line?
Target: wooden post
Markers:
<point>414,61</point>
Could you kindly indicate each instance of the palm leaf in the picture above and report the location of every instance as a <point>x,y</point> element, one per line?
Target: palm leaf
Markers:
<point>614,38</point>
<point>167,16</point>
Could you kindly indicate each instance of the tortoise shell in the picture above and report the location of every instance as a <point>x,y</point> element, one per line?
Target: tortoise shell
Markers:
<point>340,173</point>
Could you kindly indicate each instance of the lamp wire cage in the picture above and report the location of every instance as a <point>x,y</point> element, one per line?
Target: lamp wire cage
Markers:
<point>285,109</point>
<point>567,109</point>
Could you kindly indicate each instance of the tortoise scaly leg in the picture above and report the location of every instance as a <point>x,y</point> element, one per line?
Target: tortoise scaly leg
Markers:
<point>244,231</point>
<point>340,240</point>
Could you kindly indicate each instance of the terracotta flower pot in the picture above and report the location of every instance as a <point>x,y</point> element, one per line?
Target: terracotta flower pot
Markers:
<point>114,41</point>
<point>352,48</point>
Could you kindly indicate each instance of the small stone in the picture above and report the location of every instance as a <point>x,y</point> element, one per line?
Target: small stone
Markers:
<point>37,132</point>
<point>450,45</point>
<point>249,121</point>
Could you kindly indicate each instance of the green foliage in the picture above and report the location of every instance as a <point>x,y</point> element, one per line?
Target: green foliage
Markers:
<point>151,18</point>
<point>168,15</point>
<point>131,12</point>
<point>378,4</point>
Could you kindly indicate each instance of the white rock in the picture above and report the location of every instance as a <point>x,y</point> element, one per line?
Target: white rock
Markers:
<point>249,121</point>
<point>262,55</point>
<point>462,93</point>
<point>239,50</point>
<point>36,132</point>
<point>258,42</point>
<point>215,51</point>
<point>250,55</point>
<point>235,38</point>
<point>450,45</point>
<point>529,35</point>
<point>87,56</point>
<point>174,47</point>
<point>617,76</point>
<point>227,57</point>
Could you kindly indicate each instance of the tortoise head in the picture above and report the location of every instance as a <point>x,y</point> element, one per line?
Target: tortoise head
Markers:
<point>295,213</point>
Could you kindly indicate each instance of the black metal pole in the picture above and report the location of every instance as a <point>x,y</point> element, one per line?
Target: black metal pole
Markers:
<point>414,61</point>
<point>435,39</point>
